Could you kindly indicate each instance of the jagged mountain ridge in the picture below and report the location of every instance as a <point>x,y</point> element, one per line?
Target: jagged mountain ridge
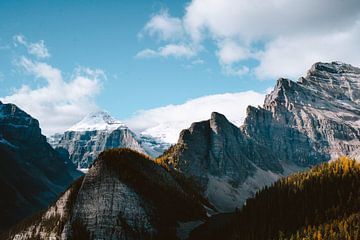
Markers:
<point>125,195</point>
<point>300,125</point>
<point>98,131</point>
<point>32,174</point>
<point>322,109</point>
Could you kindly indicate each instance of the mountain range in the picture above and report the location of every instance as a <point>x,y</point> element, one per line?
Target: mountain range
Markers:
<point>216,178</point>
<point>301,124</point>
<point>98,131</point>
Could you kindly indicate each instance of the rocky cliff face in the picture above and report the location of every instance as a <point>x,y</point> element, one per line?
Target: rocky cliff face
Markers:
<point>84,146</point>
<point>321,113</point>
<point>97,132</point>
<point>300,124</point>
<point>32,174</point>
<point>124,195</point>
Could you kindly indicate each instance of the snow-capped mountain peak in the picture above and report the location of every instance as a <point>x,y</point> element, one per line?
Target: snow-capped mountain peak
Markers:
<point>98,131</point>
<point>100,120</point>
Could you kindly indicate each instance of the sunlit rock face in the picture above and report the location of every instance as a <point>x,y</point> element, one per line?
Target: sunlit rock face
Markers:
<point>301,124</point>
<point>322,111</point>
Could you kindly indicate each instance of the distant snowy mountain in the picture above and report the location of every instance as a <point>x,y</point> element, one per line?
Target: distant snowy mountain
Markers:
<point>153,146</point>
<point>98,131</point>
<point>166,132</point>
<point>97,121</point>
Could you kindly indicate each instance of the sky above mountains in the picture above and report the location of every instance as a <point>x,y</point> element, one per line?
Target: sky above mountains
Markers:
<point>148,62</point>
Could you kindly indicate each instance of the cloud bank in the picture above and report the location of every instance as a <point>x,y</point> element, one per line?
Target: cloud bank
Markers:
<point>59,102</point>
<point>167,122</point>
<point>284,37</point>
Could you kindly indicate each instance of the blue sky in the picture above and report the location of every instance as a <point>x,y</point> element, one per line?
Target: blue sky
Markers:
<point>230,47</point>
<point>104,35</point>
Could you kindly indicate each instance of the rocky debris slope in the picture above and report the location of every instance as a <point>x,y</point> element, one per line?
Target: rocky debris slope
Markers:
<point>125,195</point>
<point>98,131</point>
<point>300,124</point>
<point>32,174</point>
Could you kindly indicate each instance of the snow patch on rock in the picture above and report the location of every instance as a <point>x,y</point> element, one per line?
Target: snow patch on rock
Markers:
<point>100,120</point>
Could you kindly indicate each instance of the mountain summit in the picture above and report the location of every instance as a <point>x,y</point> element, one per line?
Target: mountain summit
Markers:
<point>98,131</point>
<point>301,124</point>
<point>97,121</point>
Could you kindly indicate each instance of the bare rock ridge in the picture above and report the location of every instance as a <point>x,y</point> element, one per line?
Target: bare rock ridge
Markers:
<point>322,111</point>
<point>98,131</point>
<point>32,174</point>
<point>300,124</point>
<point>217,140</point>
<point>124,195</point>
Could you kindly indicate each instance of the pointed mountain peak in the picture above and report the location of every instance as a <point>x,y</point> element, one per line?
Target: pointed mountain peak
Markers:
<point>217,118</point>
<point>99,120</point>
<point>10,110</point>
<point>219,123</point>
<point>216,121</point>
<point>333,68</point>
<point>282,84</point>
<point>282,88</point>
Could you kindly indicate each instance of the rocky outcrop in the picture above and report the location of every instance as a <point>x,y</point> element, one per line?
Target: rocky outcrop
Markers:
<point>300,124</point>
<point>125,195</point>
<point>32,174</point>
<point>313,120</point>
<point>97,132</point>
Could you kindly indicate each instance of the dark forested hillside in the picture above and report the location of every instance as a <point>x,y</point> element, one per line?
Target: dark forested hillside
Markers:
<point>322,203</point>
<point>124,195</point>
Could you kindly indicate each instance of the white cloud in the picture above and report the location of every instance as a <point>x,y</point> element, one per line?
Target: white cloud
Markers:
<point>232,70</point>
<point>59,103</point>
<point>165,27</point>
<point>19,39</point>
<point>147,53</point>
<point>37,49</point>
<point>230,52</point>
<point>292,56</point>
<point>197,62</point>
<point>255,19</point>
<point>171,30</point>
<point>284,36</point>
<point>170,50</point>
<point>167,122</point>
